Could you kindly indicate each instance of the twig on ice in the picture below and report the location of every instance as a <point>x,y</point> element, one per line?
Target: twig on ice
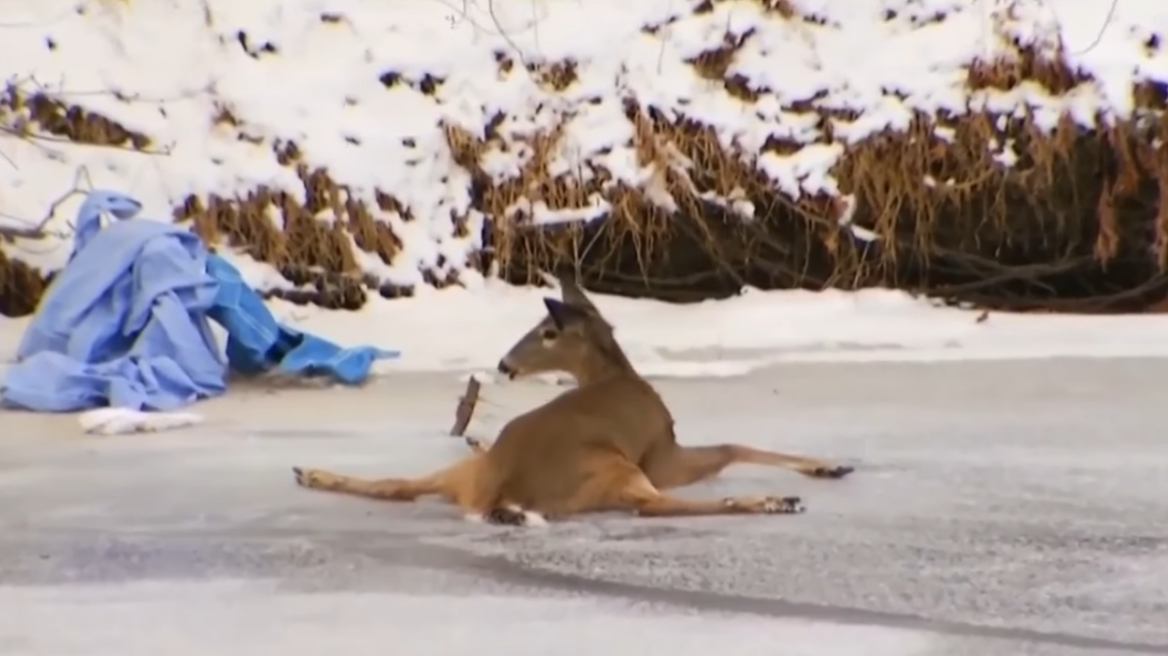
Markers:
<point>466,407</point>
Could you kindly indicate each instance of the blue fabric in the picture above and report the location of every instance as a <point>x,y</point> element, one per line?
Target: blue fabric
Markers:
<point>257,343</point>
<point>122,324</point>
<point>125,323</point>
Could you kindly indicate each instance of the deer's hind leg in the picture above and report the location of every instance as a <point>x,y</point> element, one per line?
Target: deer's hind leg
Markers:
<point>678,466</point>
<point>455,483</point>
<point>387,489</point>
<point>612,482</point>
<point>631,488</point>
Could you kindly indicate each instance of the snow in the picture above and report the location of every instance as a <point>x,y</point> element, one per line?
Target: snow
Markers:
<point>310,74</point>
<point>468,330</point>
<point>120,421</point>
<point>168,67</point>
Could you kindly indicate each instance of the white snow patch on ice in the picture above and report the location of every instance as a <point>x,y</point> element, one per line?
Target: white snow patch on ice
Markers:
<point>120,421</point>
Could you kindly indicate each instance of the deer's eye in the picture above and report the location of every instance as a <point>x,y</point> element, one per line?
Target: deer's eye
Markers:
<point>548,334</point>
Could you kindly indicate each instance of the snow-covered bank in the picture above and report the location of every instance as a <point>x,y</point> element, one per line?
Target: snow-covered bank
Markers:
<point>212,97</point>
<point>226,96</point>
<point>468,330</point>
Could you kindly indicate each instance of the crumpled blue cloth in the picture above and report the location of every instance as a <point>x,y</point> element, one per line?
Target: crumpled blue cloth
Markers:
<point>256,342</point>
<point>125,323</point>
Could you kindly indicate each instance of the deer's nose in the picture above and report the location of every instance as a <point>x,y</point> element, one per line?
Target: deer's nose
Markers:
<point>505,368</point>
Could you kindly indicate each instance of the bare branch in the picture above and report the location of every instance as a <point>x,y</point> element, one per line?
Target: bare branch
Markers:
<point>35,230</point>
<point>462,11</point>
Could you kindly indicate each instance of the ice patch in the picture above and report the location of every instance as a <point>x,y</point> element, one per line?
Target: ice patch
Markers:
<point>239,619</point>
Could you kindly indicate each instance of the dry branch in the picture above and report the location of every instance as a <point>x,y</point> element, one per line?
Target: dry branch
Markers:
<point>466,407</point>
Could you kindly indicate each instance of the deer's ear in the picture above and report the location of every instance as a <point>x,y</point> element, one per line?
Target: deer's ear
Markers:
<point>564,314</point>
<point>573,293</point>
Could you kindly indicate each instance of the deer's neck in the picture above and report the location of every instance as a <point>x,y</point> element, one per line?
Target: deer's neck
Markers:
<point>608,362</point>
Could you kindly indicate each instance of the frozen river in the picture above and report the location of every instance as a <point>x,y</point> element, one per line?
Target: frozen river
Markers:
<point>997,508</point>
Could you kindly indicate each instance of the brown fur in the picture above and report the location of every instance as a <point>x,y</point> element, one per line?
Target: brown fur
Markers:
<point>608,444</point>
<point>667,464</point>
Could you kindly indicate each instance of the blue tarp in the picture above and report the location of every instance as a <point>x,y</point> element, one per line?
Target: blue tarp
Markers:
<point>125,323</point>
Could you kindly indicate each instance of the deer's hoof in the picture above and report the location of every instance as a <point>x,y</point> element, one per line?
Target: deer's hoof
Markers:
<point>304,477</point>
<point>767,505</point>
<point>838,471</point>
<point>504,516</point>
<point>783,506</point>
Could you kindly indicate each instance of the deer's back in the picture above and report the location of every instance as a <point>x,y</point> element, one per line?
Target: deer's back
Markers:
<point>541,455</point>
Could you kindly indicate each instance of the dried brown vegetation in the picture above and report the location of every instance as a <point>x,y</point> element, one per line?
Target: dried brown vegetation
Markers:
<point>427,84</point>
<point>1078,220</point>
<point>1007,72</point>
<point>21,287</point>
<point>1072,211</point>
<point>639,241</point>
<point>714,65</point>
<point>312,253</point>
<point>38,112</point>
<point>783,8</point>
<point>316,249</point>
<point>556,76</point>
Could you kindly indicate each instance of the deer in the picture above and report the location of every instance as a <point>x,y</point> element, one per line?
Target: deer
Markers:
<point>607,444</point>
<point>669,464</point>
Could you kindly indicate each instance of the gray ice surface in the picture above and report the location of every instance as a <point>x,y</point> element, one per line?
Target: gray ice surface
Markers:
<point>998,509</point>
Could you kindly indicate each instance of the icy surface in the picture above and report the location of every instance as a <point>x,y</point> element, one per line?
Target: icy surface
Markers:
<point>998,508</point>
<point>221,619</point>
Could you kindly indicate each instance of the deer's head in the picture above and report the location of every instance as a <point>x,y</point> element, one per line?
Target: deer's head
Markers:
<point>573,338</point>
